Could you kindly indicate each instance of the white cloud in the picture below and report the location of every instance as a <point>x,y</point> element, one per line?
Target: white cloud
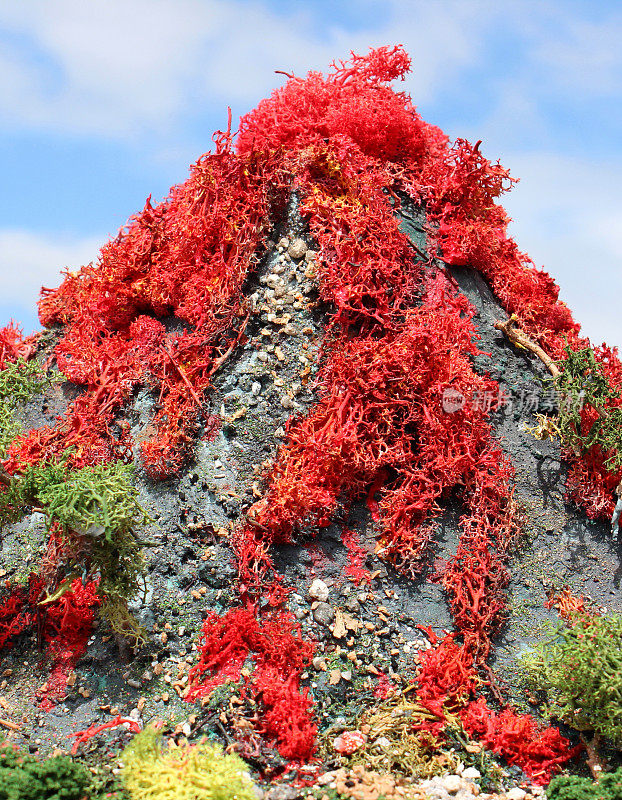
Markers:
<point>123,67</point>
<point>119,68</point>
<point>29,261</point>
<point>568,216</point>
<point>581,55</point>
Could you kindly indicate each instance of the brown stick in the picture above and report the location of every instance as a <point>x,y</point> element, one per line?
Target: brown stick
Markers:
<point>520,339</point>
<point>595,764</point>
<point>5,478</point>
<point>221,359</point>
<point>493,685</point>
<point>5,723</point>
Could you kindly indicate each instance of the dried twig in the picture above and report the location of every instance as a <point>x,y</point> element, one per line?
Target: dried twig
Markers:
<point>520,339</point>
<point>595,764</point>
<point>221,359</point>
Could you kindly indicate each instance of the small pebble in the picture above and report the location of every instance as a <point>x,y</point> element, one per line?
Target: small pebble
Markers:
<point>297,248</point>
<point>319,590</point>
<point>453,783</point>
<point>471,774</point>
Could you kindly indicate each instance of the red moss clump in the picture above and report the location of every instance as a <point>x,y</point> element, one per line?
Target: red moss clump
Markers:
<point>352,102</point>
<point>570,607</point>
<point>446,677</point>
<point>447,682</point>
<point>187,257</point>
<point>538,750</point>
<point>271,646</point>
<point>64,625</point>
<point>13,345</point>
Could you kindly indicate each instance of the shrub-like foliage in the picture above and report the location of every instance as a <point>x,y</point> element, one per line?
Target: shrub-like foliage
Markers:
<point>589,416</point>
<point>183,773</point>
<point>19,381</point>
<point>581,672</point>
<point>9,427</point>
<point>572,787</point>
<point>22,380</point>
<point>22,777</point>
<point>92,512</point>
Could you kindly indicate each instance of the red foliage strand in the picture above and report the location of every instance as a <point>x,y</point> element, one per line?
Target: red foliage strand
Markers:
<point>355,569</point>
<point>64,625</point>
<point>519,739</point>
<point>95,729</point>
<point>272,640</point>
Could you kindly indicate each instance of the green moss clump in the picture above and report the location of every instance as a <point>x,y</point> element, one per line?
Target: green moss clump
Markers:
<point>96,509</point>
<point>22,380</point>
<point>572,787</point>
<point>583,383</point>
<point>22,777</point>
<point>580,672</point>
<point>18,382</point>
<point>183,773</point>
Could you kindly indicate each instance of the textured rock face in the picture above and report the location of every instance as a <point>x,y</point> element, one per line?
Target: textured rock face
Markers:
<point>189,561</point>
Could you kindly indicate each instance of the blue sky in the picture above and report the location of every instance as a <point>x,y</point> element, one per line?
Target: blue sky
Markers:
<point>105,102</point>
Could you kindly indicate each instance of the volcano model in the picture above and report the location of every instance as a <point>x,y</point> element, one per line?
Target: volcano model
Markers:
<point>305,464</point>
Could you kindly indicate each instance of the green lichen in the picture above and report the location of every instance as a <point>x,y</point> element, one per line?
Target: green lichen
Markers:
<point>96,510</point>
<point>579,671</point>
<point>583,383</point>
<point>573,787</point>
<point>22,777</point>
<point>151,772</point>
<point>22,380</point>
<point>18,382</point>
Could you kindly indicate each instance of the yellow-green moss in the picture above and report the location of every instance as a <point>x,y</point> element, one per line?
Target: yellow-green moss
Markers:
<point>151,772</point>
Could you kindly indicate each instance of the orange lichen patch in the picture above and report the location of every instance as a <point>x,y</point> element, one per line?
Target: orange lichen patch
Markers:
<point>569,606</point>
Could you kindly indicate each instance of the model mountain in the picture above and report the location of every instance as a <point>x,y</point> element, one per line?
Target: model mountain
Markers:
<point>305,462</point>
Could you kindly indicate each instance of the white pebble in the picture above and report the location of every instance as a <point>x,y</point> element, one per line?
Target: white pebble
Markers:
<point>319,590</point>
<point>452,783</point>
<point>471,774</point>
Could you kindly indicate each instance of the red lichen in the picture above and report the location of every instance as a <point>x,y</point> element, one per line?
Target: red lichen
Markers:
<point>271,646</point>
<point>63,625</point>
<point>538,750</point>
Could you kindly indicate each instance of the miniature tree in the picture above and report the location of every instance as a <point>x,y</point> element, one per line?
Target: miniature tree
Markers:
<point>580,673</point>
